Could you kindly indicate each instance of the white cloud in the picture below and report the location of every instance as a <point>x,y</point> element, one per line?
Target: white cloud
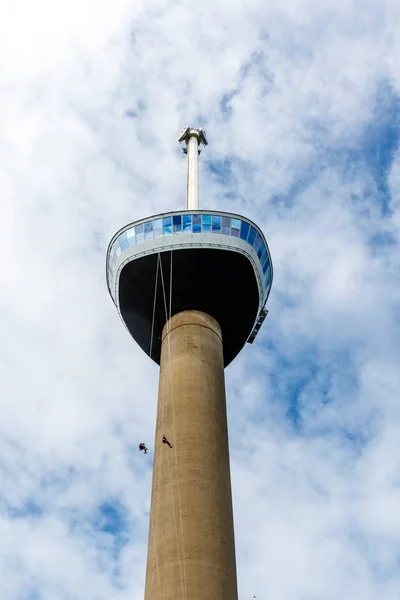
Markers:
<point>92,98</point>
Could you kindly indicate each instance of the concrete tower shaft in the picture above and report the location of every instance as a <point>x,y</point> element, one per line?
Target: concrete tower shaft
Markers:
<point>191,551</point>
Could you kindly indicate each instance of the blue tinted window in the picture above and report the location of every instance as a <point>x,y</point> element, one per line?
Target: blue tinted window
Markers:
<point>196,223</point>
<point>132,241</point>
<point>130,233</point>
<point>124,245</point>
<point>259,253</point>
<point>167,225</point>
<point>177,222</point>
<point>257,242</point>
<point>226,225</point>
<point>206,222</point>
<point>148,230</point>
<point>265,267</point>
<point>244,230</point>
<point>158,227</point>
<point>118,251</point>
<point>252,235</point>
<point>122,237</point>
<point>216,223</point>
<point>263,248</point>
<point>139,233</point>
<point>235,227</point>
<point>187,222</point>
<point>264,257</point>
<point>115,245</point>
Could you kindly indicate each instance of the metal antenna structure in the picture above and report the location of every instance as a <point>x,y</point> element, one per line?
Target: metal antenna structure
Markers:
<point>191,287</point>
<point>193,138</point>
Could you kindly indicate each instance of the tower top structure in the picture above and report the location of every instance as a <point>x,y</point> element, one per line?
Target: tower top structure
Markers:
<point>205,260</point>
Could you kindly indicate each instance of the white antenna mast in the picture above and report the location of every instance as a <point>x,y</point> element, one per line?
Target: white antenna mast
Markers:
<point>193,138</point>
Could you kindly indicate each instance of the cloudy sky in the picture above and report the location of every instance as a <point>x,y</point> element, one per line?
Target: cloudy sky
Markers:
<point>300,100</point>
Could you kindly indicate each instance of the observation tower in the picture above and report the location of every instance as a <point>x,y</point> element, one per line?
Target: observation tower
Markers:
<point>191,288</point>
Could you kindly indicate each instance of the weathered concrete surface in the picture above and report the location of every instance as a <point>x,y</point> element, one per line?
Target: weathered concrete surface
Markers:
<point>191,552</point>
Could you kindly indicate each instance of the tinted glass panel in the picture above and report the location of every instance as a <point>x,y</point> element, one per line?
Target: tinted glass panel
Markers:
<point>158,227</point>
<point>244,230</point>
<point>187,222</point>
<point>226,225</point>
<point>148,230</point>
<point>236,227</point>
<point>252,235</point>
<point>132,241</point>
<point>264,258</point>
<point>206,223</point>
<point>265,267</point>
<point>167,225</point>
<point>177,221</point>
<point>124,245</point>
<point>118,252</point>
<point>259,253</point>
<point>258,241</point>
<point>130,233</point>
<point>196,223</point>
<point>139,238</point>
<point>122,237</point>
<point>139,229</point>
<point>216,223</point>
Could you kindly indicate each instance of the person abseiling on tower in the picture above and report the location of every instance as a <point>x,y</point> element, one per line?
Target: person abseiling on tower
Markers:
<point>142,446</point>
<point>165,441</point>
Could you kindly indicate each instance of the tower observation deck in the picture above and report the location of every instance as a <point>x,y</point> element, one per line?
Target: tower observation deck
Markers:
<point>191,288</point>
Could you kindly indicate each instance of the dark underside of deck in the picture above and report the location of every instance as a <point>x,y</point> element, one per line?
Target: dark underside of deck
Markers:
<point>221,283</point>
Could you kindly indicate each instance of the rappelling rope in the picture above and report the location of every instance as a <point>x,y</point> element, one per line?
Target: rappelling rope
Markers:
<point>154,305</point>
<point>183,580</point>
<point>173,425</point>
<point>151,347</point>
